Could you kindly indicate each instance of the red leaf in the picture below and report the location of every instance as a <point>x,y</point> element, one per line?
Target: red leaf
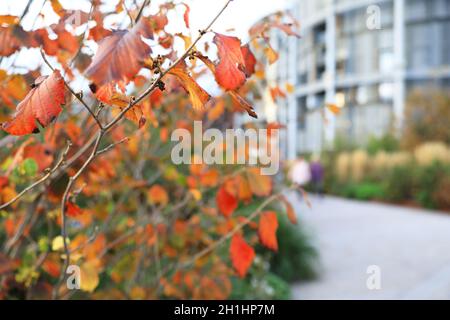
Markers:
<point>241,254</point>
<point>42,104</point>
<point>230,72</point>
<point>72,210</point>
<point>241,102</point>
<point>12,38</point>
<point>268,225</point>
<point>121,55</point>
<point>226,202</point>
<point>249,59</point>
<point>186,15</point>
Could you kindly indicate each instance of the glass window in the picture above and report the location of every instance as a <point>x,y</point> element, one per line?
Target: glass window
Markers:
<point>416,9</point>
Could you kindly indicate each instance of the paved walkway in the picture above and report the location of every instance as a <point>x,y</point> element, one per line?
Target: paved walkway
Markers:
<point>411,248</point>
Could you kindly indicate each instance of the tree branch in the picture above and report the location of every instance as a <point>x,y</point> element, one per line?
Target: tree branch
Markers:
<point>40,181</point>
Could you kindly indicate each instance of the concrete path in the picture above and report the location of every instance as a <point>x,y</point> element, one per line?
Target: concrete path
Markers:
<point>410,248</point>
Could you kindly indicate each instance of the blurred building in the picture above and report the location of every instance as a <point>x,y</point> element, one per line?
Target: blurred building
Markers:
<point>362,55</point>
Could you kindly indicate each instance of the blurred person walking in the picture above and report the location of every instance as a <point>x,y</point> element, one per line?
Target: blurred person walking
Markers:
<point>300,172</point>
<point>317,173</point>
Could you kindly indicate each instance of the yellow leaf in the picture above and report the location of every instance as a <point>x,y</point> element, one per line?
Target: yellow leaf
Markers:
<point>89,277</point>
<point>289,88</point>
<point>196,194</point>
<point>58,243</point>
<point>272,55</point>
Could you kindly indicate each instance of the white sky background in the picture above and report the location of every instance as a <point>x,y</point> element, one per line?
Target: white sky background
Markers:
<point>236,20</point>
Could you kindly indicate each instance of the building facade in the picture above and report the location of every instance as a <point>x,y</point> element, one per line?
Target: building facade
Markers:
<point>363,56</point>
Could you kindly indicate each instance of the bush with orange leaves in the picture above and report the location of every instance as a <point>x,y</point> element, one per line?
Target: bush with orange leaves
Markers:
<point>87,188</point>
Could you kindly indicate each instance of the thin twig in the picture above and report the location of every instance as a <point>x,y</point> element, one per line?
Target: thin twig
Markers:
<point>43,179</point>
<point>144,4</point>
<point>112,145</point>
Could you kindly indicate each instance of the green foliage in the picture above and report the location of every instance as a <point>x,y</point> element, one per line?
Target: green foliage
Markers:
<point>427,180</point>
<point>262,287</point>
<point>398,183</point>
<point>388,143</point>
<point>296,259</point>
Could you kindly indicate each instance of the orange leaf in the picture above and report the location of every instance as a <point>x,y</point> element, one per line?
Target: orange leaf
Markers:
<point>121,55</point>
<point>241,254</point>
<point>249,60</point>
<point>158,195</point>
<point>226,202</point>
<point>268,225</point>
<point>230,72</point>
<point>42,104</point>
<point>259,184</point>
<point>198,96</point>
<point>333,108</point>
<point>289,211</point>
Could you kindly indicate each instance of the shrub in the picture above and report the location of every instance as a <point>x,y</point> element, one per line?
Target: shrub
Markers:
<point>343,166</point>
<point>398,184</point>
<point>359,165</point>
<point>387,143</point>
<point>426,118</point>
<point>296,258</point>
<point>430,152</point>
<point>428,179</point>
<point>369,191</point>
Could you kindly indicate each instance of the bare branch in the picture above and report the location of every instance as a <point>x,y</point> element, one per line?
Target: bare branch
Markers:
<point>112,145</point>
<point>144,4</point>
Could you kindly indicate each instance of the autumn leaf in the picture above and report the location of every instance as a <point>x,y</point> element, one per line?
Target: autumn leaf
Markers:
<point>72,210</point>
<point>240,101</point>
<point>289,210</point>
<point>260,185</point>
<point>226,202</point>
<point>110,96</point>
<point>243,104</point>
<point>8,19</point>
<point>42,104</point>
<point>333,108</point>
<point>186,15</point>
<point>230,72</point>
<point>268,225</point>
<point>249,60</point>
<point>157,195</point>
<point>12,38</point>
<point>271,54</point>
<point>121,55</point>
<point>197,95</point>
<point>89,278</point>
<point>57,7</point>
<point>241,254</point>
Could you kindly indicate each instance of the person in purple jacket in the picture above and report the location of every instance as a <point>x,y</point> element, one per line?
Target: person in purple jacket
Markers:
<point>317,173</point>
